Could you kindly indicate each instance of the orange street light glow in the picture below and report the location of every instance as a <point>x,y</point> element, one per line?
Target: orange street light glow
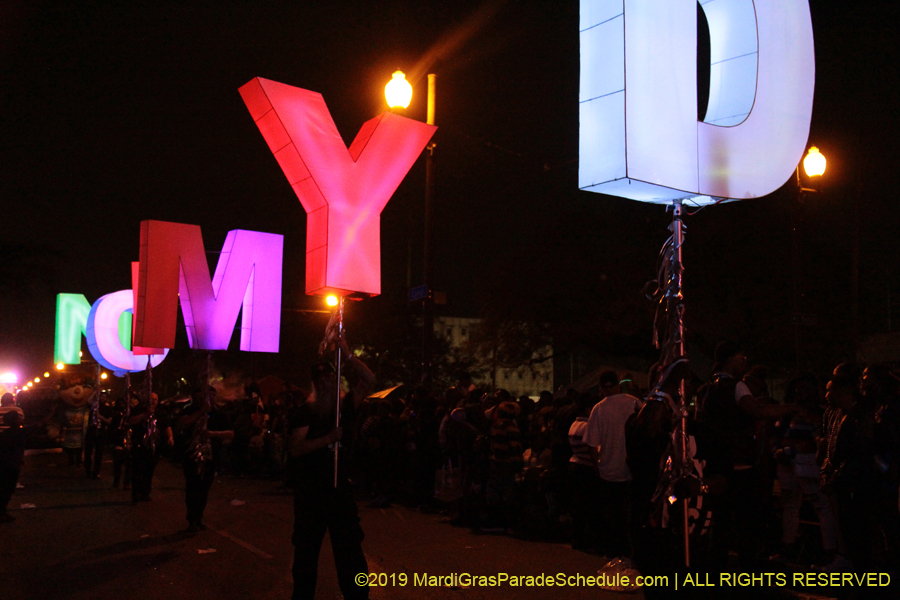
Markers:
<point>814,163</point>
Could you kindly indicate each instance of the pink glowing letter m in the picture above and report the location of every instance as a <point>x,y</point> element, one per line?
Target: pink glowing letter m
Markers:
<point>342,190</point>
<point>173,267</point>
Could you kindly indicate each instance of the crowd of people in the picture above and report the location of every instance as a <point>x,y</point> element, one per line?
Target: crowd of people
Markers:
<point>593,469</point>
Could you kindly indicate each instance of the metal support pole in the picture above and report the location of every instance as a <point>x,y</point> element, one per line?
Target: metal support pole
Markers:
<point>203,425</point>
<point>149,378</point>
<point>680,350</point>
<point>796,220</point>
<point>95,402</point>
<point>337,405</point>
<point>428,302</point>
<point>127,409</point>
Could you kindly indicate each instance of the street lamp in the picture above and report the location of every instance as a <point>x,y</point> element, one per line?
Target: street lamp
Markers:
<point>398,92</point>
<point>814,163</point>
<point>398,82</point>
<point>814,166</point>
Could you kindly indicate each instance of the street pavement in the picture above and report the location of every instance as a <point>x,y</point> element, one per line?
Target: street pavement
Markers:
<point>84,539</point>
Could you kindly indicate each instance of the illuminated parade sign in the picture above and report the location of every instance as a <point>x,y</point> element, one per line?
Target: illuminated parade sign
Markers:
<point>343,190</point>
<point>107,327</point>
<point>639,134</point>
<point>247,280</point>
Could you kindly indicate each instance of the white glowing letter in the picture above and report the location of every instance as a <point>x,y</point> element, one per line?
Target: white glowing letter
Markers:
<point>639,133</point>
<point>103,337</point>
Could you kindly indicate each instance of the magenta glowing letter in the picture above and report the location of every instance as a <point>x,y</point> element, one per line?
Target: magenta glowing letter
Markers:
<point>173,266</point>
<point>342,190</point>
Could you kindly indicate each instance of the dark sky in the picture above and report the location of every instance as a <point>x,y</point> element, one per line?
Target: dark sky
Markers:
<point>118,112</point>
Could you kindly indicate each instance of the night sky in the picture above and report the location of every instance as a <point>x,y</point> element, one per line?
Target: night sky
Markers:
<point>118,112</point>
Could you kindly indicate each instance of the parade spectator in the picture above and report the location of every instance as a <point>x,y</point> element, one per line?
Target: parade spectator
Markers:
<point>879,387</point>
<point>585,480</point>
<point>849,472</point>
<point>8,404</point>
<point>605,434</point>
<point>12,453</point>
<point>728,412</point>
<point>798,470</point>
<point>505,461</point>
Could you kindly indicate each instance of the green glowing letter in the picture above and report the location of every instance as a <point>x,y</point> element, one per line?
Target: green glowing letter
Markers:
<point>71,321</point>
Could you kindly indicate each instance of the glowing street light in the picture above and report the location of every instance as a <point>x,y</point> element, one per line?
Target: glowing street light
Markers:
<point>60,366</point>
<point>47,374</point>
<point>814,163</point>
<point>398,82</point>
<point>37,379</point>
<point>331,300</point>
<point>813,166</point>
<point>398,92</point>
<point>103,375</point>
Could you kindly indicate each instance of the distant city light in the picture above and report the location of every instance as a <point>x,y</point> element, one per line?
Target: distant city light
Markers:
<point>37,379</point>
<point>9,378</point>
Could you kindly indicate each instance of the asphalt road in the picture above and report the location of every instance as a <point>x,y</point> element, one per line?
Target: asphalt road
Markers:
<point>84,539</point>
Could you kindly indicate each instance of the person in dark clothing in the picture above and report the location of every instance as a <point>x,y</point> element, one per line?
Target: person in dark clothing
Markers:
<point>319,504</point>
<point>201,433</point>
<point>880,388</point>
<point>95,435</point>
<point>849,470</point>
<point>12,453</point>
<point>121,444</point>
<point>149,429</point>
<point>727,412</point>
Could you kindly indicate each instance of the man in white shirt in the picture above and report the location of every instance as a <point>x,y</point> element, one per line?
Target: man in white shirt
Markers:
<point>606,435</point>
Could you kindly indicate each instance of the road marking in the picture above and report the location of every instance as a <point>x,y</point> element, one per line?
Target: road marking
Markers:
<point>242,543</point>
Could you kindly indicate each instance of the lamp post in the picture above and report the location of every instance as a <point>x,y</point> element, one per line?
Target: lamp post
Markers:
<point>814,166</point>
<point>398,93</point>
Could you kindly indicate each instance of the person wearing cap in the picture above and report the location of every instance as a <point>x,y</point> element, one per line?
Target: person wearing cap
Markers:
<point>319,504</point>
<point>605,434</point>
